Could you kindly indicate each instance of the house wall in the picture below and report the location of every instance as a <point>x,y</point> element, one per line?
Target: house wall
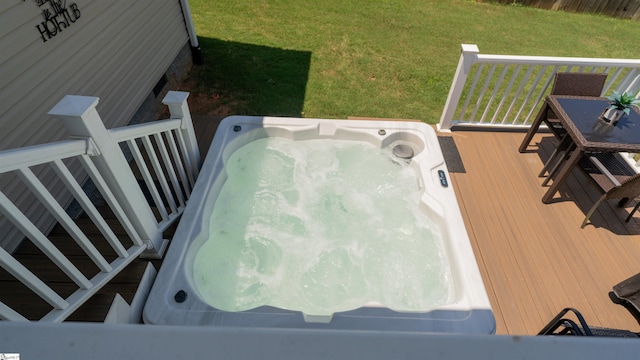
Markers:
<point>116,50</point>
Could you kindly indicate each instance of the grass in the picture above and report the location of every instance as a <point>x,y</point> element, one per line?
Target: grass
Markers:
<point>387,58</point>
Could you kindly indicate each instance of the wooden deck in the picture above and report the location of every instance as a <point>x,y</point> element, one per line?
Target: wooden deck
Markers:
<point>534,258</point>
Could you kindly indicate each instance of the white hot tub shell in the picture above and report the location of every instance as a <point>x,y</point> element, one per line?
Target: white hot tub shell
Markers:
<point>174,298</point>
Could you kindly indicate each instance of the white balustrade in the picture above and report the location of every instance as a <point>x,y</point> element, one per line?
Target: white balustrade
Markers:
<point>506,91</point>
<point>169,146</point>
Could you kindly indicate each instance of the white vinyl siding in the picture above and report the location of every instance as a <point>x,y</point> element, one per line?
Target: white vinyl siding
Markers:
<point>116,50</point>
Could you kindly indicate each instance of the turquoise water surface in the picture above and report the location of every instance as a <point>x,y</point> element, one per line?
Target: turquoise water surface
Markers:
<point>321,226</point>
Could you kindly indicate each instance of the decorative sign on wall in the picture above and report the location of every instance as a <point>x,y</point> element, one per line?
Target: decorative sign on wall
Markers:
<point>57,17</point>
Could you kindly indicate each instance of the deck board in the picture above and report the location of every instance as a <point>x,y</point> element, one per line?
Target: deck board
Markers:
<point>533,257</point>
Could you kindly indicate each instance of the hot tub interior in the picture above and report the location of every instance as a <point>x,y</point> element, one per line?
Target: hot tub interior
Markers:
<point>267,242</point>
<point>321,226</point>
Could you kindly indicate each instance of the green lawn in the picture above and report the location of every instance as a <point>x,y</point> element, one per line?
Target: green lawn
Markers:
<point>386,58</point>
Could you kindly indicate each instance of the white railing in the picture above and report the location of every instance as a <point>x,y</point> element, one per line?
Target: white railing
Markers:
<point>169,146</point>
<point>507,91</point>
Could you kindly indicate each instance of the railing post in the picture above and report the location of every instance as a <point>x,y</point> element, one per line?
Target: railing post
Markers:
<point>179,109</point>
<point>80,117</point>
<point>467,58</point>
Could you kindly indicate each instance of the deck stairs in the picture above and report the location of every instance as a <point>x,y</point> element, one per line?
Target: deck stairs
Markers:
<point>121,300</point>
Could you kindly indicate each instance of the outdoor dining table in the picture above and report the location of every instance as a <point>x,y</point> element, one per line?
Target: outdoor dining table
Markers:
<point>579,117</point>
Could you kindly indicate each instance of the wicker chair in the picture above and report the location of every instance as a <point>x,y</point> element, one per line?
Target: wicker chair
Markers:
<point>615,186</point>
<point>627,294</point>
<point>568,83</point>
<point>576,84</point>
<point>564,325</point>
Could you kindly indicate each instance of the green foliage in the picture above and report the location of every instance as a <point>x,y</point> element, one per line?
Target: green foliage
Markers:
<point>622,101</point>
<point>387,58</point>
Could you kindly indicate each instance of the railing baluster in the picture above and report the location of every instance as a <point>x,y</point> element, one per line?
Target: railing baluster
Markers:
<point>516,97</point>
<point>542,92</point>
<point>192,169</point>
<point>168,165</point>
<point>471,91</point>
<point>506,91</point>
<point>90,209</point>
<point>482,92</point>
<point>148,179</point>
<point>80,296</point>
<point>611,79</point>
<point>111,200</point>
<point>28,228</point>
<point>8,314</point>
<point>155,164</point>
<point>631,82</point>
<point>179,163</point>
<point>496,88</point>
<point>530,93</point>
<point>15,268</point>
<point>38,188</point>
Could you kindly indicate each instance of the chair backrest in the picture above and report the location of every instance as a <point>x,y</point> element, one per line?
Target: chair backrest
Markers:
<point>630,188</point>
<point>578,84</point>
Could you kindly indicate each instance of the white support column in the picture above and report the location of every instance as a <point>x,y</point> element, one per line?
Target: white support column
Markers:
<point>80,117</point>
<point>467,58</point>
<point>179,109</point>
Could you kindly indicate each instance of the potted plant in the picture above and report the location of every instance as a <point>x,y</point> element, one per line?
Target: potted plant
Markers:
<point>620,104</point>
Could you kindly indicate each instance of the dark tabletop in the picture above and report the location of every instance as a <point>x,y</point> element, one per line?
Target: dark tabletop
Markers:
<point>584,114</point>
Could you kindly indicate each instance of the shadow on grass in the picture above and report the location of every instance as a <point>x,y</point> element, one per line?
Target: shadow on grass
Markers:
<point>255,80</point>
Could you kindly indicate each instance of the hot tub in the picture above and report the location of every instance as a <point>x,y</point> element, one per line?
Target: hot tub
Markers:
<point>177,298</point>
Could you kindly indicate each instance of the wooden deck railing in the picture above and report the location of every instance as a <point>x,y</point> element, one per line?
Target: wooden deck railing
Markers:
<point>170,149</point>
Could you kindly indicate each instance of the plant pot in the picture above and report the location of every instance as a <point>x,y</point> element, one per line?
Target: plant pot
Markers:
<point>603,127</point>
<point>611,115</point>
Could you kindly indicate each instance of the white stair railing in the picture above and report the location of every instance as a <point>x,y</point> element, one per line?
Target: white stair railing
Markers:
<point>97,153</point>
